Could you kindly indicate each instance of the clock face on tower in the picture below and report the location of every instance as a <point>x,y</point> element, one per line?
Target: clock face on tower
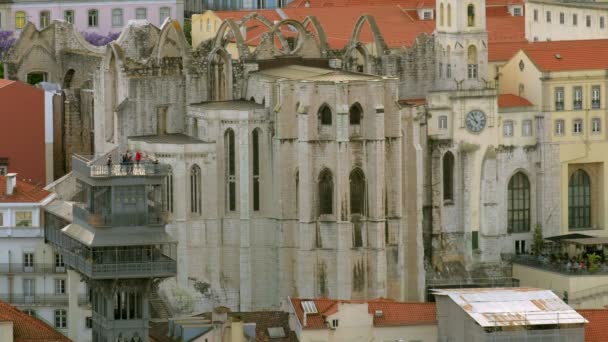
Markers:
<point>475,121</point>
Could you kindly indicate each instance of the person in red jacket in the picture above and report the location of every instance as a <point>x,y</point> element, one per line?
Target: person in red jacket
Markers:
<point>137,157</point>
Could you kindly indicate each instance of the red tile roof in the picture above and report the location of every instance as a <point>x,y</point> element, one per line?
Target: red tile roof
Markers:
<point>402,3</point>
<point>397,20</point>
<point>24,192</point>
<point>399,314</point>
<point>4,82</point>
<point>393,313</point>
<point>27,328</point>
<point>597,328</point>
<point>510,100</point>
<point>569,55</point>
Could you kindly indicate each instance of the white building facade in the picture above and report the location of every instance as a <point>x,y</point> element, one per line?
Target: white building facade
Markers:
<point>566,20</point>
<point>89,16</point>
<point>33,277</point>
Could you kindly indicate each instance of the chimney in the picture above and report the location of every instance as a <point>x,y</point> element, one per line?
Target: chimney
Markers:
<point>11,183</point>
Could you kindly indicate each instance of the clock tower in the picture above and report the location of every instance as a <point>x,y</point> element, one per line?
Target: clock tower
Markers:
<point>461,48</point>
<point>462,123</point>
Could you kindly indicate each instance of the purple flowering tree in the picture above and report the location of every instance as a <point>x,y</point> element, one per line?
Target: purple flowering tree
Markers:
<point>6,42</point>
<point>98,39</point>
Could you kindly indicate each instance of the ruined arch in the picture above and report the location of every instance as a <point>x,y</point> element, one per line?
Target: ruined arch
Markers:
<point>110,73</point>
<point>356,58</point>
<point>379,44</point>
<point>302,35</point>
<point>230,25</point>
<point>220,75</point>
<point>172,42</point>
<point>321,36</point>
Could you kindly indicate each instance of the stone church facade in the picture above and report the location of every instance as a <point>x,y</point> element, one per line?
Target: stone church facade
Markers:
<point>298,170</point>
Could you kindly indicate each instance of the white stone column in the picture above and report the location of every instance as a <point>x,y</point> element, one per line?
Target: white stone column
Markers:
<point>244,180</point>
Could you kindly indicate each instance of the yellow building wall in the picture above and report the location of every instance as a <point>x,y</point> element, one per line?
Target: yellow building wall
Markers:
<point>204,26</point>
<point>512,76</point>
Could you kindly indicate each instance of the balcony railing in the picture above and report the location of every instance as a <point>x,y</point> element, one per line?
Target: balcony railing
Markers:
<point>6,268</point>
<point>35,299</point>
<point>127,219</point>
<point>546,264</point>
<point>162,267</point>
<point>21,232</point>
<point>99,168</point>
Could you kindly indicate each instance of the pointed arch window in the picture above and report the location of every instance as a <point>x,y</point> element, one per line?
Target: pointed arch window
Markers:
<point>472,62</point>
<point>579,200</point>
<point>518,204</point>
<point>441,15</point>
<point>219,76</point>
<point>471,15</point>
<point>255,143</point>
<point>357,192</point>
<point>448,176</point>
<point>326,193</point>
<point>355,114</point>
<point>230,169</point>
<point>195,189</point>
<point>449,15</point>
<point>297,201</point>
<point>325,115</point>
<point>169,191</point>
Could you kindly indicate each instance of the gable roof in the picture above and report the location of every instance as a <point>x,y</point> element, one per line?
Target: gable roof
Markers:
<point>569,55</point>
<point>597,328</point>
<point>510,101</point>
<point>24,192</point>
<point>393,313</point>
<point>27,328</point>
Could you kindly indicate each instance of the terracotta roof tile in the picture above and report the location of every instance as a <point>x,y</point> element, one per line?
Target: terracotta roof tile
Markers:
<point>397,20</point>
<point>402,3</point>
<point>4,82</point>
<point>597,328</point>
<point>399,313</point>
<point>569,55</point>
<point>24,192</point>
<point>503,51</point>
<point>393,313</point>
<point>27,328</point>
<point>510,100</point>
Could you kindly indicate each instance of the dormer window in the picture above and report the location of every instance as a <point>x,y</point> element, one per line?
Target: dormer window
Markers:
<point>427,15</point>
<point>334,323</point>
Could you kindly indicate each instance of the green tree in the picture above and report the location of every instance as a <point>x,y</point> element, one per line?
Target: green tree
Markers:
<point>188,31</point>
<point>538,243</point>
<point>594,262</point>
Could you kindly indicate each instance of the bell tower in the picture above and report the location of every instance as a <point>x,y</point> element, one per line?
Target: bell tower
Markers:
<point>461,48</point>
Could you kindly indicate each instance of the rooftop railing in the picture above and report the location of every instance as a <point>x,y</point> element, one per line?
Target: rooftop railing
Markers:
<point>545,263</point>
<point>98,167</point>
